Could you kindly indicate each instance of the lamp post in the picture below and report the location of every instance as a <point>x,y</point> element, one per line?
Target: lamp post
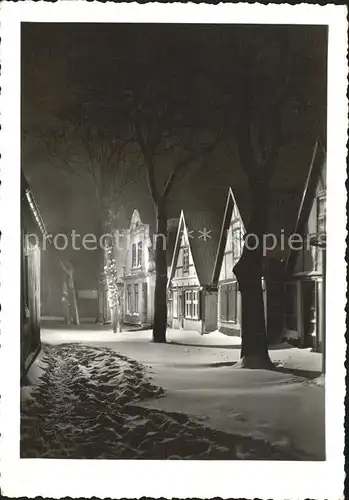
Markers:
<point>319,240</point>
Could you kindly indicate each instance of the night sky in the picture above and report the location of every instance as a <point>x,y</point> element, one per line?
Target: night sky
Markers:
<point>67,68</point>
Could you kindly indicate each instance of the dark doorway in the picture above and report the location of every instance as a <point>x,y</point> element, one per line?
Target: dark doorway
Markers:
<point>309,313</point>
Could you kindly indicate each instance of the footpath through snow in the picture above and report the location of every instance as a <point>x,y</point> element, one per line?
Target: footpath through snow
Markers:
<point>200,381</point>
<point>83,407</point>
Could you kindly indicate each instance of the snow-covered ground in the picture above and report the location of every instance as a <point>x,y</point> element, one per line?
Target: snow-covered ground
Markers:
<point>83,406</point>
<point>198,375</point>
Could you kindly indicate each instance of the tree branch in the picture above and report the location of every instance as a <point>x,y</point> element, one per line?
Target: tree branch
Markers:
<point>149,163</point>
<point>195,156</point>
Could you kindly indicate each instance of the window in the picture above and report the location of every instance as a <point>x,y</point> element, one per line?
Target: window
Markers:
<point>175,304</point>
<point>195,299</point>
<point>188,304</point>
<point>228,302</point>
<point>236,241</point>
<point>185,259</point>
<point>192,304</point>
<point>291,306</point>
<point>129,299</point>
<point>136,309</point>
<point>134,255</point>
<point>321,214</point>
<point>139,254</point>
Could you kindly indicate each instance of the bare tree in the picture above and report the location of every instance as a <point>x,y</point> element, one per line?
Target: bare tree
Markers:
<point>170,130</point>
<point>276,93</point>
<point>274,109</point>
<point>114,288</point>
<point>95,154</point>
<point>70,282</point>
<point>98,155</point>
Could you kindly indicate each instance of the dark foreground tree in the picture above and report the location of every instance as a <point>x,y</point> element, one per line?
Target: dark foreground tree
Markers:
<point>280,94</point>
<point>276,95</point>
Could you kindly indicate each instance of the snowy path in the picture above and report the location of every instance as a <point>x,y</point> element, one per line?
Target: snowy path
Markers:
<point>198,376</point>
<point>85,406</point>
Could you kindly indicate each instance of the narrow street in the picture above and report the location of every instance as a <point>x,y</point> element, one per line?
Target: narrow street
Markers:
<point>93,398</point>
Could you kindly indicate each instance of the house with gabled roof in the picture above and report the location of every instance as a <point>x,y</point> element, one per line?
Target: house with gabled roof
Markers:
<point>136,264</point>
<point>229,251</point>
<point>306,261</point>
<point>193,300</point>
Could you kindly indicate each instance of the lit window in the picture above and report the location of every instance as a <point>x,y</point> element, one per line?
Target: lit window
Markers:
<point>321,214</point>
<point>236,240</point>
<point>139,254</point>
<point>134,255</point>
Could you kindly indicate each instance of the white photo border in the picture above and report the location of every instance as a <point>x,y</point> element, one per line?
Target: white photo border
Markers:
<point>200,479</point>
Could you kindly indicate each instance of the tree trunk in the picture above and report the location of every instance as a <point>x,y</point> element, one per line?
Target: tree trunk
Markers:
<point>118,316</point>
<point>115,319</point>
<point>101,290</point>
<point>249,272</point>
<point>160,302</point>
<point>76,319</point>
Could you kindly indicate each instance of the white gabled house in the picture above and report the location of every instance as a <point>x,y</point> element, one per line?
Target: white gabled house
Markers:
<point>192,299</point>
<point>138,274</point>
<point>228,253</point>
<point>132,251</point>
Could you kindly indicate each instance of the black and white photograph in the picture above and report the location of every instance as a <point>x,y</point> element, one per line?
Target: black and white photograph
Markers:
<point>173,248</point>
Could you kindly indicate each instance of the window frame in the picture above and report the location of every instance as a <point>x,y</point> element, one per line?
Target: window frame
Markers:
<point>175,304</point>
<point>236,234</point>
<point>192,304</point>
<point>139,254</point>
<point>185,258</point>
<point>134,255</point>
<point>187,303</point>
<point>195,304</point>
<point>321,198</point>
<point>228,293</point>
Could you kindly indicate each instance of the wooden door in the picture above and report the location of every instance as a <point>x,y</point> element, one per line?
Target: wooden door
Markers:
<point>208,304</point>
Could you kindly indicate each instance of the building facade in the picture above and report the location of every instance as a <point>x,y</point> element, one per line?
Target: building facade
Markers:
<point>192,299</point>
<point>32,229</point>
<point>138,273</point>
<point>229,251</point>
<point>306,273</point>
